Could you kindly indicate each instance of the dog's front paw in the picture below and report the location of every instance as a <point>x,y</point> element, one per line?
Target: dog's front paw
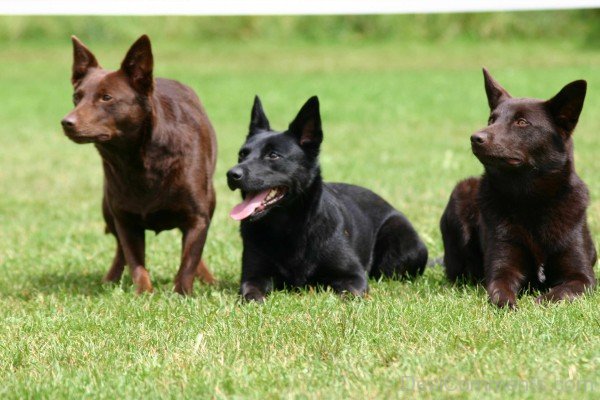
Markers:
<point>350,288</point>
<point>253,291</point>
<point>554,296</point>
<point>254,296</point>
<point>503,299</point>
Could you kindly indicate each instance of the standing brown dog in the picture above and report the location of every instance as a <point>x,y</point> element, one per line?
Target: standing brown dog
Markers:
<point>158,152</point>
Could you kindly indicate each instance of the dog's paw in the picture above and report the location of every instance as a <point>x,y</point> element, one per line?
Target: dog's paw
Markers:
<point>503,300</point>
<point>253,296</point>
<point>141,280</point>
<point>554,296</point>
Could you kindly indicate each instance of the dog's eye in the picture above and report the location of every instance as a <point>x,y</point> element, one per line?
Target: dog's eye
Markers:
<point>491,120</point>
<point>241,155</point>
<point>522,122</point>
<point>273,156</point>
<point>106,97</point>
<point>76,98</point>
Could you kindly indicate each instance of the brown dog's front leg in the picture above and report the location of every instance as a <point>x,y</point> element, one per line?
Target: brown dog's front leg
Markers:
<point>574,275</point>
<point>191,255</point>
<point>505,274</point>
<point>133,244</point>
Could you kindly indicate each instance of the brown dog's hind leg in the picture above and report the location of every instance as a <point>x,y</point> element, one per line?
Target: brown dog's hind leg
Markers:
<point>116,269</point>
<point>203,273</point>
<point>460,226</point>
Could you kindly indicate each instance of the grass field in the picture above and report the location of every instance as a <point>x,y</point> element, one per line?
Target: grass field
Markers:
<point>397,119</point>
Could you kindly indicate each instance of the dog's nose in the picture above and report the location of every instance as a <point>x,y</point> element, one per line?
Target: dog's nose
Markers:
<point>479,138</point>
<point>68,122</point>
<point>235,174</point>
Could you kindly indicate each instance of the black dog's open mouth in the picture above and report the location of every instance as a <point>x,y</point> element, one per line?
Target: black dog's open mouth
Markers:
<point>256,203</point>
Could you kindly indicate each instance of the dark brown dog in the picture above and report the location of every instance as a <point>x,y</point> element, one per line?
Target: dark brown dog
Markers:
<point>158,152</point>
<point>523,223</point>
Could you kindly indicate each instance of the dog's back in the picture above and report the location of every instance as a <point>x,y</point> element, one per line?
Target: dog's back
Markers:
<point>376,221</point>
<point>182,123</point>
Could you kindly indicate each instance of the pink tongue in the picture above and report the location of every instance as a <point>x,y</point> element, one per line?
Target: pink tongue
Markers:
<point>247,207</point>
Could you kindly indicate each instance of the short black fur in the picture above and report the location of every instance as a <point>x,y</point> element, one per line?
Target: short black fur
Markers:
<point>318,234</point>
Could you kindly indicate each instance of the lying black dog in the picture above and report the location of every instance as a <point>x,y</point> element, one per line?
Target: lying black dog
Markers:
<point>298,230</point>
<point>523,224</point>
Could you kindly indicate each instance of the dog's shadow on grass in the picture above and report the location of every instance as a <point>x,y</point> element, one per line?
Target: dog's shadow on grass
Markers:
<point>90,284</point>
<point>82,283</point>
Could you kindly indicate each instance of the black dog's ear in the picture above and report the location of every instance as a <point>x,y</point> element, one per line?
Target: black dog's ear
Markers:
<point>307,124</point>
<point>83,61</point>
<point>258,119</point>
<point>138,65</point>
<point>566,106</point>
<point>496,94</point>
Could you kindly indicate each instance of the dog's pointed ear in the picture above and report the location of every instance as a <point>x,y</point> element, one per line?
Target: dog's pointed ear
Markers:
<point>258,118</point>
<point>566,106</point>
<point>496,94</point>
<point>306,127</point>
<point>83,61</point>
<point>138,65</point>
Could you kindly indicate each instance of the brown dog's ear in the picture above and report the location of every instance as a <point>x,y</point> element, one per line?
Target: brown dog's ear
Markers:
<point>307,125</point>
<point>258,119</point>
<point>496,94</point>
<point>566,106</point>
<point>138,65</point>
<point>83,61</point>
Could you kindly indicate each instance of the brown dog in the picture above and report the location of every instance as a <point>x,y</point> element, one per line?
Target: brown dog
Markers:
<point>523,223</point>
<point>158,152</point>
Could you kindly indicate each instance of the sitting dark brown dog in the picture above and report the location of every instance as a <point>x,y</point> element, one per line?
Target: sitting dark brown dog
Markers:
<point>523,224</point>
<point>158,152</point>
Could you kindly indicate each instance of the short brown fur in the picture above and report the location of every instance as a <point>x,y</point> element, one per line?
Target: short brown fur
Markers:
<point>523,223</point>
<point>158,151</point>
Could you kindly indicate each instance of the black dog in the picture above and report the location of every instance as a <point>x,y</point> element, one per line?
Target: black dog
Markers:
<point>524,222</point>
<point>298,230</point>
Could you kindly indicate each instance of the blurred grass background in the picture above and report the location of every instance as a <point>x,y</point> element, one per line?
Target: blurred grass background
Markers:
<point>580,25</point>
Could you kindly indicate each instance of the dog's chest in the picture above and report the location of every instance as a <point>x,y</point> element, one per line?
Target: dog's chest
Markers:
<point>153,212</point>
<point>541,236</point>
<point>293,259</point>
<point>296,272</point>
<point>162,220</point>
<point>295,266</point>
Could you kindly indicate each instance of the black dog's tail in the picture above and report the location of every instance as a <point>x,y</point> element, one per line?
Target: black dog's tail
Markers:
<point>432,262</point>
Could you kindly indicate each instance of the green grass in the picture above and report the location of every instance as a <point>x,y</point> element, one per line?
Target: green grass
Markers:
<point>397,118</point>
<point>579,25</point>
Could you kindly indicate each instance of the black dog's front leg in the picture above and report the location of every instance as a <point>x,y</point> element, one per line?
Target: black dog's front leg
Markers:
<point>257,276</point>
<point>350,275</point>
<point>356,285</point>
